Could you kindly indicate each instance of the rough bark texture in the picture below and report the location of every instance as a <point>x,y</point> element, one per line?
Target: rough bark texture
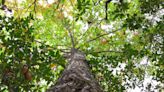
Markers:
<point>76,77</point>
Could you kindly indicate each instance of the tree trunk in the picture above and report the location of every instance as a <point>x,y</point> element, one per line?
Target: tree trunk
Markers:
<point>76,77</point>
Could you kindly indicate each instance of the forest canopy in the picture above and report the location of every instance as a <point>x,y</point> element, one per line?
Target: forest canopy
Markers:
<point>123,43</point>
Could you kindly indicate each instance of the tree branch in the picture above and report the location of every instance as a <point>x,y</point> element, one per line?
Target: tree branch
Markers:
<point>3,2</point>
<point>107,51</point>
<point>33,3</point>
<point>51,47</point>
<point>72,39</point>
<point>72,33</point>
<point>101,36</point>
<point>90,25</point>
<point>35,6</point>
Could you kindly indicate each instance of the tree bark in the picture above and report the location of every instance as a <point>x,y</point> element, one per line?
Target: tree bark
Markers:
<point>76,77</point>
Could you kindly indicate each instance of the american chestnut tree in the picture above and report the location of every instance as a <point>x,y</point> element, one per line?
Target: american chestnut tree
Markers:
<point>81,46</point>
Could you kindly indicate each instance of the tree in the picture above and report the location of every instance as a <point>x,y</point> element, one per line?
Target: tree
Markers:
<point>69,44</point>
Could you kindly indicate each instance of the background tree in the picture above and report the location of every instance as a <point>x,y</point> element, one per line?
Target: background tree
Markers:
<point>122,52</point>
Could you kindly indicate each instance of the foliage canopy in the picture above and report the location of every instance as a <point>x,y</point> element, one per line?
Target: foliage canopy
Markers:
<point>122,51</point>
